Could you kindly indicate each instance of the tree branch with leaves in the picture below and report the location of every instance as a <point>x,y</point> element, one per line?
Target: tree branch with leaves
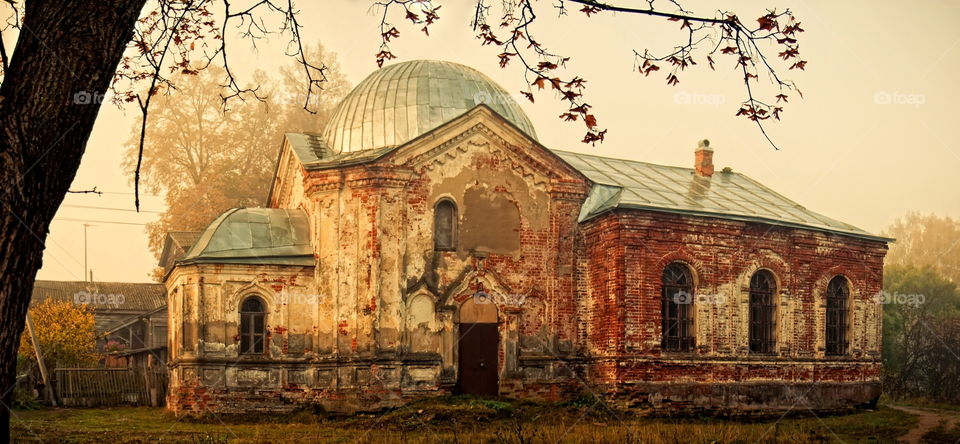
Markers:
<point>509,25</point>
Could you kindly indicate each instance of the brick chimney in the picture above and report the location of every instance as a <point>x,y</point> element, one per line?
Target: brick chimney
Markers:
<point>703,159</point>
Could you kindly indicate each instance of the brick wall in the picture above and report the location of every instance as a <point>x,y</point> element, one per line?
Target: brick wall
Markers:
<point>627,251</point>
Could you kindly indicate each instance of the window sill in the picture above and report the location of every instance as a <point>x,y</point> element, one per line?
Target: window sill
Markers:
<point>679,353</point>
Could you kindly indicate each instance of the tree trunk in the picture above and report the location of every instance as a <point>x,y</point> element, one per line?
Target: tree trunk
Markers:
<point>62,65</point>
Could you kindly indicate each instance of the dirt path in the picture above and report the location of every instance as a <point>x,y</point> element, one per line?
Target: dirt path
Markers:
<point>927,419</point>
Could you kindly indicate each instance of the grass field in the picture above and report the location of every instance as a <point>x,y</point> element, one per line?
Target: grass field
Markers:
<point>450,420</point>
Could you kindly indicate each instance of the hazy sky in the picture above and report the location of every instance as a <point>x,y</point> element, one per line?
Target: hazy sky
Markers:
<point>874,137</point>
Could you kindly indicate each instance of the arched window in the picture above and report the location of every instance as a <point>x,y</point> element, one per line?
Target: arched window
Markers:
<point>253,330</point>
<point>838,296</point>
<point>677,308</point>
<point>445,225</point>
<point>763,312</point>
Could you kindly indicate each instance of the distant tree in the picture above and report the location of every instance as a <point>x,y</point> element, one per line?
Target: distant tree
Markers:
<point>921,334</point>
<point>205,159</point>
<point>293,88</point>
<point>202,158</point>
<point>926,240</point>
<point>66,333</point>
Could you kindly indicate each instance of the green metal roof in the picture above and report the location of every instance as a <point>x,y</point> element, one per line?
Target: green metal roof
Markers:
<point>261,236</point>
<point>313,153</point>
<point>399,102</point>
<point>622,183</point>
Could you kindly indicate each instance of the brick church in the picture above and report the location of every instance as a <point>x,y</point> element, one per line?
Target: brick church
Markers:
<point>425,243</point>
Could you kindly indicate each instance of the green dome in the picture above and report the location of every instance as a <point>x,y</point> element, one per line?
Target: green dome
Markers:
<point>399,102</point>
<point>255,236</point>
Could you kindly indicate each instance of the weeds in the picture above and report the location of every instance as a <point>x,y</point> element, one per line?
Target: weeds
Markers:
<point>456,420</point>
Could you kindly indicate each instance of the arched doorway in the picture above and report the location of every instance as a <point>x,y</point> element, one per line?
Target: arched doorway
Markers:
<point>478,347</point>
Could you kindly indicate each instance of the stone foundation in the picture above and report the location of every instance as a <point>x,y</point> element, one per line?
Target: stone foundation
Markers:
<point>744,399</point>
<point>351,389</point>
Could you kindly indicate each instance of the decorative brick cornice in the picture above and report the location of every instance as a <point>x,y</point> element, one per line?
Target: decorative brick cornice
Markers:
<point>315,187</point>
<point>377,182</point>
<point>520,159</point>
<point>565,190</point>
<point>421,159</point>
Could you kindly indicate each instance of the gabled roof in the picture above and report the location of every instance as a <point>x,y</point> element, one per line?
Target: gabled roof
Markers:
<point>175,245</point>
<point>184,239</point>
<point>619,183</point>
<point>622,183</point>
<point>259,236</point>
<point>313,153</point>
<point>137,297</point>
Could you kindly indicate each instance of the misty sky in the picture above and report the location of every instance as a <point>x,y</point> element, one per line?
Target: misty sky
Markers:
<point>874,137</point>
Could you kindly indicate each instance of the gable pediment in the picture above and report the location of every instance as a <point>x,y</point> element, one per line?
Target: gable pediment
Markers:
<point>483,129</point>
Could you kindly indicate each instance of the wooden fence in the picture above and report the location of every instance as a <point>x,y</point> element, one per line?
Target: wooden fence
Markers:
<point>101,387</point>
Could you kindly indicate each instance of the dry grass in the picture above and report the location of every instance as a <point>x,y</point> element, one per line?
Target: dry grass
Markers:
<point>450,420</point>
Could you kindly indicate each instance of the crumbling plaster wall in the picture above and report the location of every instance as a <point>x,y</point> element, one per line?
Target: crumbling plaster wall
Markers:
<point>392,296</point>
<point>205,304</point>
<point>517,206</point>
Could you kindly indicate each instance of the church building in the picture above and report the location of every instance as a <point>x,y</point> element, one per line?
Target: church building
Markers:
<point>425,243</point>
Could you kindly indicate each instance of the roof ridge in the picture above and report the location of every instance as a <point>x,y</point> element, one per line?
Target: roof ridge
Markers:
<point>96,282</point>
<point>732,195</point>
<point>629,160</point>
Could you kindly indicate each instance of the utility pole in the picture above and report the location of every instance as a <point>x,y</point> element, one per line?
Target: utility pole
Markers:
<point>88,276</point>
<point>43,366</point>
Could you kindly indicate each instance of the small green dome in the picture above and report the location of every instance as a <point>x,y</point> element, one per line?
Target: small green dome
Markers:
<point>399,102</point>
<point>255,236</point>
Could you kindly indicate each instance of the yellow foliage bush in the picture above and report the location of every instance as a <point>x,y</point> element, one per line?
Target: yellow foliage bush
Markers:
<point>66,333</point>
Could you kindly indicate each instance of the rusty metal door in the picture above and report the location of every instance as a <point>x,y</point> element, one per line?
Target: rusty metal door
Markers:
<point>478,359</point>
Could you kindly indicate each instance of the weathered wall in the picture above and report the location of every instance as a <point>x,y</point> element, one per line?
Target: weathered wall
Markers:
<point>204,302</point>
<point>577,305</point>
<point>628,251</point>
<point>385,312</point>
<point>517,208</point>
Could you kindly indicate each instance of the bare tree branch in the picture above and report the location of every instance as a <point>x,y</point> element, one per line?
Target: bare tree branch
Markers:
<point>13,22</point>
<point>177,32</point>
<point>4,61</point>
<point>144,103</point>
<point>91,191</point>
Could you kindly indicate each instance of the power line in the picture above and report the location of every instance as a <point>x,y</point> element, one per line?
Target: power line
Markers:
<point>109,208</point>
<point>130,193</point>
<point>67,219</point>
